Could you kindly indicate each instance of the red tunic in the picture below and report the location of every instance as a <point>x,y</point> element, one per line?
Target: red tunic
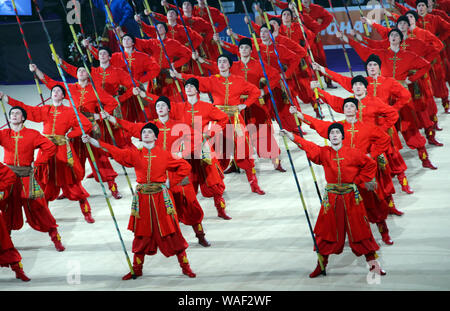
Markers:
<point>150,167</point>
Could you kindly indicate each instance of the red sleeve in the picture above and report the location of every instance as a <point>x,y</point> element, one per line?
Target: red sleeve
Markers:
<point>70,69</point>
<point>379,141</point>
<point>149,30</point>
<point>33,113</point>
<point>335,102</point>
<point>94,51</point>
<point>232,48</point>
<point>388,113</point>
<point>126,157</point>
<point>421,66</point>
<point>282,4</point>
<point>218,18</point>
<point>7,177</point>
<point>382,30</point>
<point>180,169</point>
<point>345,82</point>
<point>252,91</point>
<point>76,129</point>
<point>363,51</point>
<point>320,126</point>
<point>376,44</point>
<point>182,54</point>
<point>151,67</point>
<point>403,9</point>
<point>46,146</point>
<point>312,150</point>
<point>314,26</point>
<point>368,168</point>
<point>133,128</point>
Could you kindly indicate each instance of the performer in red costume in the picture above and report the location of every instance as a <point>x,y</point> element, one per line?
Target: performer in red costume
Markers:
<point>86,102</point>
<point>205,122</point>
<point>9,256</point>
<point>227,90</point>
<point>64,171</point>
<point>342,211</point>
<point>260,114</point>
<point>153,217</point>
<point>19,144</point>
<point>374,142</point>
<point>143,68</point>
<point>188,208</point>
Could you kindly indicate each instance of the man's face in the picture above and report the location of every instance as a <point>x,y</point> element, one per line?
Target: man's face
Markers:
<point>412,20</point>
<point>103,56</point>
<point>172,16</point>
<point>187,8</point>
<point>245,50</point>
<point>264,34</point>
<point>57,94</point>
<point>306,3</point>
<point>127,42</point>
<point>162,109</point>
<point>190,90</point>
<point>223,64</point>
<point>394,38</point>
<point>359,88</point>
<point>349,109</point>
<point>286,17</point>
<point>403,26</point>
<point>82,74</point>
<point>373,69</point>
<point>148,136</point>
<point>16,116</point>
<point>161,30</point>
<point>335,137</point>
<point>201,3</point>
<point>421,9</point>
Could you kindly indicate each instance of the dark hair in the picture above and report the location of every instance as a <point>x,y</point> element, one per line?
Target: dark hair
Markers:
<point>422,1</point>
<point>403,18</point>
<point>62,89</point>
<point>360,78</point>
<point>413,13</point>
<point>245,41</point>
<point>130,36</point>
<point>107,49</point>
<point>398,31</point>
<point>194,82</point>
<point>230,60</point>
<point>164,99</point>
<point>336,125</point>
<point>351,100</point>
<point>151,126</point>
